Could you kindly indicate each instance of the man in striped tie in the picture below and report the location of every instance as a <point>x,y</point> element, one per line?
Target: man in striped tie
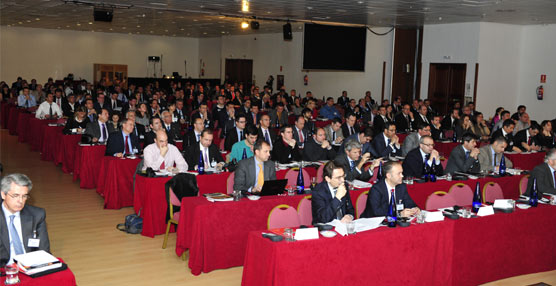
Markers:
<point>22,227</point>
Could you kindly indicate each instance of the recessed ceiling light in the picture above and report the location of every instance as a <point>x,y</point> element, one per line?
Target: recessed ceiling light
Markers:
<point>204,33</point>
<point>37,19</point>
<point>201,6</point>
<point>195,20</point>
<point>268,12</point>
<point>152,32</point>
<point>138,26</point>
<point>309,8</point>
<point>158,4</point>
<point>78,24</point>
<point>110,29</point>
<point>221,17</point>
<point>124,28</point>
<point>182,29</point>
<point>159,12</point>
<point>359,2</point>
<point>90,23</point>
<point>28,21</point>
<point>20,23</point>
<point>223,32</point>
<point>439,18</point>
<point>165,30</point>
<point>67,26</point>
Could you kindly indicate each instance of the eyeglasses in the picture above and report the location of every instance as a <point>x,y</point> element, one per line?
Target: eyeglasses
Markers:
<point>18,196</point>
<point>339,177</point>
<point>428,145</point>
<point>241,122</point>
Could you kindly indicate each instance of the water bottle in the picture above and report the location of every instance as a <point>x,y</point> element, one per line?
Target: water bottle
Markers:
<point>300,184</point>
<point>244,156</point>
<point>534,195</point>
<point>201,166</point>
<point>502,168</point>
<point>392,216</point>
<point>426,170</point>
<point>455,137</point>
<point>379,175</point>
<point>477,198</point>
<point>433,171</point>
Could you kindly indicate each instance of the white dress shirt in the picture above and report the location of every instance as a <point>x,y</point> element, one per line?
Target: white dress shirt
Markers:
<point>17,224</point>
<point>44,110</point>
<point>153,159</point>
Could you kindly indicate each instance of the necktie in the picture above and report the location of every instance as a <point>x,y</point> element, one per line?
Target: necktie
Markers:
<point>260,176</point>
<point>162,166</point>
<point>494,160</point>
<point>104,133</point>
<point>351,130</point>
<point>113,104</point>
<point>198,137</point>
<point>254,119</point>
<point>467,153</point>
<point>393,195</point>
<point>240,135</point>
<point>27,103</point>
<point>388,143</point>
<point>339,213</point>
<point>50,110</point>
<point>266,136</point>
<point>529,140</point>
<point>333,136</point>
<point>427,157</point>
<point>168,128</point>
<point>127,145</point>
<point>554,175</point>
<point>91,117</point>
<point>352,165</point>
<point>18,247</point>
<point>207,163</point>
<point>300,136</point>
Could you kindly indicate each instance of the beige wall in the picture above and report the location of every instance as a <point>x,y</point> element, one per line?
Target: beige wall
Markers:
<point>43,53</point>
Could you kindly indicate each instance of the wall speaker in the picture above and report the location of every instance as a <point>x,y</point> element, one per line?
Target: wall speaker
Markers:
<point>254,25</point>
<point>287,29</point>
<point>103,15</point>
<point>154,58</point>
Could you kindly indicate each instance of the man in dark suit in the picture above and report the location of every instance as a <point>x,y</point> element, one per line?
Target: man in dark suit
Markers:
<point>526,140</point>
<point>113,102</point>
<point>318,148</point>
<point>99,130</point>
<point>249,176</point>
<point>405,120</point>
<point>330,198</point>
<point>412,140</point>
<point>436,130</point>
<point>22,227</point>
<point>465,157</point>
<point>101,103</point>
<point>422,118</point>
<point>173,129</point>
<point>353,162</point>
<point>450,122</point>
<point>91,111</point>
<point>545,174</point>
<point>138,130</point>
<point>414,162</point>
<point>204,114</point>
<point>380,120</point>
<point>350,127</point>
<point>285,148</point>
<point>381,193</point>
<point>210,151</point>
<point>180,112</point>
<point>69,106</point>
<point>387,142</point>
<point>265,132</point>
<point>507,132</point>
<point>155,124</point>
<point>364,138</point>
<point>192,137</point>
<point>121,143</point>
<point>344,99</point>
<point>237,133</point>
<point>253,116</point>
<point>278,115</point>
<point>299,133</point>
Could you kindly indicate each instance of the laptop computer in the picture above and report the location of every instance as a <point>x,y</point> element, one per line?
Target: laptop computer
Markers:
<point>273,187</point>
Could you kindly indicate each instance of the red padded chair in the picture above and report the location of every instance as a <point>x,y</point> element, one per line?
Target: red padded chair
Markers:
<point>361,203</point>
<point>320,171</point>
<point>174,217</point>
<point>438,200</point>
<point>230,183</point>
<point>462,193</point>
<point>291,176</point>
<point>283,216</point>
<point>491,192</point>
<point>304,211</point>
<point>523,184</point>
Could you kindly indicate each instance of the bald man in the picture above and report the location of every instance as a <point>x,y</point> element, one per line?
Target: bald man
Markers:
<point>162,156</point>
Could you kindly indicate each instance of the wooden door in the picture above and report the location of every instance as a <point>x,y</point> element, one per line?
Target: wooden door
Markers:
<point>405,74</point>
<point>446,85</point>
<point>240,71</point>
<point>111,73</point>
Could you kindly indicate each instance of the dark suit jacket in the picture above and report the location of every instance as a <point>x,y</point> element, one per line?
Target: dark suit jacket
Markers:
<point>296,135</point>
<point>458,163</point>
<point>249,118</point>
<point>175,130</point>
<point>208,121</point>
<point>150,136</point>
<point>32,219</point>
<point>284,153</point>
<point>325,207</point>
<point>413,164</point>
<point>342,160</point>
<point>283,117</point>
<point>381,149</point>
<point>67,110</point>
<point>116,143</point>
<point>343,101</point>
<point>545,183</point>
<point>231,138</point>
<point>509,138</point>
<point>93,129</point>
<point>182,116</point>
<point>313,152</point>
<point>521,137</point>
<point>446,123</point>
<point>366,148</point>
<point>189,139</point>
<point>245,176</point>
<point>435,133</point>
<point>193,152</point>
<point>71,124</point>
<point>97,106</point>
<point>345,130</point>
<point>420,121</point>
<point>271,134</point>
<point>139,131</point>
<point>401,123</point>
<point>378,124</point>
<point>377,201</point>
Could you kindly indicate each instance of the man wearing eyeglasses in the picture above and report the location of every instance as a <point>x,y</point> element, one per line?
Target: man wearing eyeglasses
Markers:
<point>22,228</point>
<point>330,198</point>
<point>415,160</point>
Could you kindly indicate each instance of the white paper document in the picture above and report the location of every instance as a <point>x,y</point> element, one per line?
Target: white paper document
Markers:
<point>502,204</point>
<point>364,224</point>
<point>360,184</point>
<point>306,233</point>
<point>434,216</point>
<point>485,211</point>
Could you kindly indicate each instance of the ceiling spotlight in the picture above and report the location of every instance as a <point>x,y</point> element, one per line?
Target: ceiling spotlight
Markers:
<point>244,24</point>
<point>244,5</point>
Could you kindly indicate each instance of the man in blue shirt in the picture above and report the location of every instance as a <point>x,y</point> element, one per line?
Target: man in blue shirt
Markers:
<point>251,134</point>
<point>26,99</point>
<point>329,111</point>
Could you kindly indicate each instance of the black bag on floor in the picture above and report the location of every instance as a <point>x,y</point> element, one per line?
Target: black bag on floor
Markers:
<point>133,224</point>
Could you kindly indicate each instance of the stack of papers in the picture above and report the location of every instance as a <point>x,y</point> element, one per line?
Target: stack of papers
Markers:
<point>37,261</point>
<point>218,197</point>
<point>360,184</point>
<point>362,224</point>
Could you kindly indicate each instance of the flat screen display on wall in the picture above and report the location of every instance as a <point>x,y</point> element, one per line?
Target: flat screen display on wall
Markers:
<point>334,47</point>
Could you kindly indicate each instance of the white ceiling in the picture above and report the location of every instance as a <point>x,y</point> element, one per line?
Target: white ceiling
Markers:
<point>197,18</point>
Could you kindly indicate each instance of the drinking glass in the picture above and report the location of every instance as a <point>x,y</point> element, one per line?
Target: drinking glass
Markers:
<point>421,217</point>
<point>11,274</point>
<point>288,234</point>
<point>350,226</point>
<point>313,182</point>
<point>237,195</point>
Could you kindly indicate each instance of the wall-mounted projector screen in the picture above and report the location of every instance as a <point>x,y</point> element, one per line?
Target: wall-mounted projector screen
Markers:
<point>334,47</point>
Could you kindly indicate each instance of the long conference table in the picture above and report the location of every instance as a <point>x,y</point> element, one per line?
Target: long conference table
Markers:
<point>216,233</point>
<point>451,252</point>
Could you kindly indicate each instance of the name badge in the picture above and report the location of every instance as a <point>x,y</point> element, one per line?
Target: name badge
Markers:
<point>141,137</point>
<point>399,207</point>
<point>33,242</point>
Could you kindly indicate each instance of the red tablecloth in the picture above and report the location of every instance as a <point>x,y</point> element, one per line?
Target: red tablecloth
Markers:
<point>69,144</point>
<point>452,252</point>
<point>115,181</point>
<point>52,136</point>
<point>87,165</point>
<point>445,148</point>
<point>22,124</point>
<point>36,132</point>
<point>12,122</point>
<point>203,226</point>
<point>149,197</point>
<point>5,113</point>
<point>214,183</point>
<point>526,161</point>
<point>62,278</point>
